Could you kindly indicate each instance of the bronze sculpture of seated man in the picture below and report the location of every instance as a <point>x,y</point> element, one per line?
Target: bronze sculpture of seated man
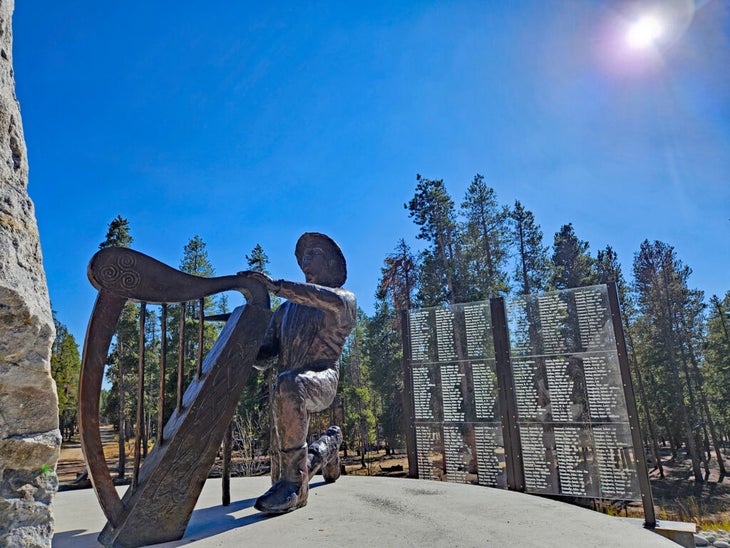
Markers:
<point>306,334</point>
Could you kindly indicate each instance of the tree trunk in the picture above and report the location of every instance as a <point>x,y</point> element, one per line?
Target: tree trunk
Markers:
<point>656,455</point>
<point>693,409</point>
<point>706,409</point>
<point>668,335</point>
<point>685,417</point>
<point>653,443</point>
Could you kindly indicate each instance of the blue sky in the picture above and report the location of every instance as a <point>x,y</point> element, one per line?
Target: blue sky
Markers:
<point>251,123</point>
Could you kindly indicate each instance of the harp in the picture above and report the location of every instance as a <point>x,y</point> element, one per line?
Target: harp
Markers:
<point>165,488</point>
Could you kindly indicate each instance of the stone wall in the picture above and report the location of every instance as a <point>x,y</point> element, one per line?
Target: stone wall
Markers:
<point>29,436</point>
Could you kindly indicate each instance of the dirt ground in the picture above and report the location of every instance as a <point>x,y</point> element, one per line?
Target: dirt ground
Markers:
<point>71,465</point>
<point>677,496</point>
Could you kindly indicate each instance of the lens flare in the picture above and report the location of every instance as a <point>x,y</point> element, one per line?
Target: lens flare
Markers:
<point>644,32</point>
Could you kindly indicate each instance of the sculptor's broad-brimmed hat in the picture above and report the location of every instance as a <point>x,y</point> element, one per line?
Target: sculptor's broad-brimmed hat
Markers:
<point>337,272</point>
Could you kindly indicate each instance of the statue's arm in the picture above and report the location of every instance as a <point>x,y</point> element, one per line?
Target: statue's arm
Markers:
<point>317,296</point>
<point>328,299</point>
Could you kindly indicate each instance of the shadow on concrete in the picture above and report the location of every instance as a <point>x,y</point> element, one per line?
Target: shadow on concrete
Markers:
<point>77,537</point>
<point>204,523</point>
<point>208,522</point>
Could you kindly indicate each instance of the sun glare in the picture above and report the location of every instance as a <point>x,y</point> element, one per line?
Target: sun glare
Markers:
<point>644,32</point>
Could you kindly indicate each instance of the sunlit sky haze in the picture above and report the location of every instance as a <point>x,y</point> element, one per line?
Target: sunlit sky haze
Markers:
<point>251,123</point>
<point>644,32</point>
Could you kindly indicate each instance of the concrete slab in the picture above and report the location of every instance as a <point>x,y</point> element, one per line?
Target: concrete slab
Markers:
<point>680,532</point>
<point>375,511</point>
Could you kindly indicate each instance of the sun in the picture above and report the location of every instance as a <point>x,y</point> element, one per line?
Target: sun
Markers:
<point>644,32</point>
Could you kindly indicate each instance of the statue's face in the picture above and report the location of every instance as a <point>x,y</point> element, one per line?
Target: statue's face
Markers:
<point>314,264</point>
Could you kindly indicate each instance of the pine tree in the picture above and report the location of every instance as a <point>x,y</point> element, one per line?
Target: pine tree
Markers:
<point>117,234</point>
<point>432,288</point>
<point>195,258</point>
<point>258,260</point>
<point>398,278</point>
<point>717,360</point>
<point>122,373</point>
<point>485,242</point>
<point>153,351</point>
<point>383,348</point>
<point>572,264</point>
<point>122,359</point>
<point>356,392</point>
<point>195,261</point>
<point>532,269</point>
<point>608,269</point>
<point>384,341</point>
<point>254,413</point>
<point>691,323</point>
<point>65,369</point>
<point>432,209</point>
<point>661,290</point>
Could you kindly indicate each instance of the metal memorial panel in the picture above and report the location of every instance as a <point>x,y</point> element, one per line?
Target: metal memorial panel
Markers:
<point>564,386</point>
<point>455,405</point>
<point>571,410</point>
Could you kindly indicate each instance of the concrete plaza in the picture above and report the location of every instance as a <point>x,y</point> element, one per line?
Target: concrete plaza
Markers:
<point>375,511</point>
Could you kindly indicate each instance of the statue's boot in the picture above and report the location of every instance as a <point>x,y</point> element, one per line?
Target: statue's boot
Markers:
<point>324,455</point>
<point>331,470</point>
<point>290,492</point>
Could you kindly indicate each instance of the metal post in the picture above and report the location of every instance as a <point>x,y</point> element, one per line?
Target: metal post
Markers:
<point>181,358</point>
<point>636,438</point>
<point>121,467</point>
<point>201,325</point>
<point>408,412</point>
<point>163,365</point>
<point>507,400</point>
<point>226,479</point>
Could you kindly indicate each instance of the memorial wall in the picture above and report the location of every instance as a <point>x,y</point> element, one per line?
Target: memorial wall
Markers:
<point>562,381</point>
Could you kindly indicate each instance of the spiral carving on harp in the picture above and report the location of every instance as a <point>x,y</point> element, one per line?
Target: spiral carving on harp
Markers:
<point>195,430</point>
<point>121,271</point>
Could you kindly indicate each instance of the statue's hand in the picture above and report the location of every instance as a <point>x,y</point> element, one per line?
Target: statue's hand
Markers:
<point>259,277</point>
